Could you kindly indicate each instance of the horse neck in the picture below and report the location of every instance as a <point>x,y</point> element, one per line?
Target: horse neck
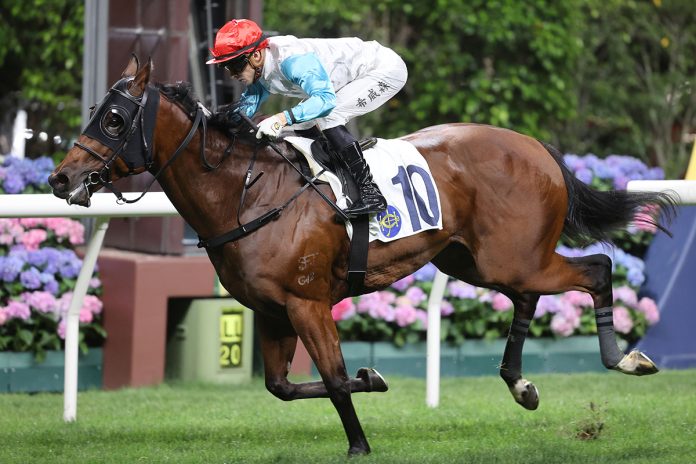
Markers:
<point>207,200</point>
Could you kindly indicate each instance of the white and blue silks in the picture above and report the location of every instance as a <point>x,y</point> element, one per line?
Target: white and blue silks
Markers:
<point>338,79</point>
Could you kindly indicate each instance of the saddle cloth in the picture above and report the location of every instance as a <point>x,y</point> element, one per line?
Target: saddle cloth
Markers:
<point>403,176</point>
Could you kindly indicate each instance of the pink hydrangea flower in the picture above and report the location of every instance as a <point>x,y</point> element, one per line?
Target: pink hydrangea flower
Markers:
<point>43,302</point>
<point>446,308</point>
<point>60,330</point>
<point>378,305</point>
<point>31,239</point>
<point>643,218</point>
<point>566,319</point>
<point>422,316</point>
<point>344,309</point>
<point>405,315</point>
<point>560,325</point>
<point>622,320</point>
<point>86,316</point>
<point>31,223</point>
<point>501,303</point>
<point>578,299</point>
<point>547,304</point>
<point>67,228</point>
<point>365,302</point>
<point>648,307</point>
<point>627,295</point>
<point>416,295</point>
<point>92,304</point>
<point>459,289</point>
<point>63,304</point>
<point>17,310</point>
<point>3,316</point>
<point>403,284</point>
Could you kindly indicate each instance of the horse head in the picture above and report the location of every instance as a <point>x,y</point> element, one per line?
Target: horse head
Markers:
<point>117,140</point>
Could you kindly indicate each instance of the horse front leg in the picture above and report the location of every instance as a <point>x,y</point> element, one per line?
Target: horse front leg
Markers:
<point>313,323</point>
<point>524,391</point>
<point>278,343</point>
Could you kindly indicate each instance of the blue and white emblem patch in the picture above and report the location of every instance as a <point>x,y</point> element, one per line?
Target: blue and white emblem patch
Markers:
<point>389,222</point>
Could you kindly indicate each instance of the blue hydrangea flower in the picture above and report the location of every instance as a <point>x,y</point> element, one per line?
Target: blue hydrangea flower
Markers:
<point>30,279</point>
<point>10,267</point>
<point>426,273</point>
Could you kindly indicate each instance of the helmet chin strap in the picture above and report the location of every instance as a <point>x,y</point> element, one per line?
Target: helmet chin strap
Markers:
<point>258,69</point>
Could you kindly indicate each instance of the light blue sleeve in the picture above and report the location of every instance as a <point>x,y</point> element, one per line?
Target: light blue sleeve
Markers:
<point>252,98</point>
<point>308,72</point>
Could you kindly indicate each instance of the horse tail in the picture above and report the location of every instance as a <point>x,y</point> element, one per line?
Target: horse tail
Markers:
<point>593,214</point>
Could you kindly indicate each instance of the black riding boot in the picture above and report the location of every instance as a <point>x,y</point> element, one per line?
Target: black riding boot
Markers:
<point>371,199</point>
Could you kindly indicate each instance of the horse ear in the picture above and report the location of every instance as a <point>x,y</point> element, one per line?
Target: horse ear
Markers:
<point>142,78</point>
<point>132,67</point>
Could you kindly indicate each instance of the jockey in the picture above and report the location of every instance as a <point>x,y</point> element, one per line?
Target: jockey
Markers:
<point>338,79</point>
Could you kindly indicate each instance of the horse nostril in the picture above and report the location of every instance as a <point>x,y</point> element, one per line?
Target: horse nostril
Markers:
<point>58,181</point>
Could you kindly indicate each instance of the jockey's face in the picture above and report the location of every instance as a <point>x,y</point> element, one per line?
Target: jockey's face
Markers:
<point>244,70</point>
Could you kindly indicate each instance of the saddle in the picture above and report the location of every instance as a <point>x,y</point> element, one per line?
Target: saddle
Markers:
<point>331,161</point>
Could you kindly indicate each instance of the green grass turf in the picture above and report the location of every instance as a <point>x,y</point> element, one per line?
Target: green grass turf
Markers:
<point>643,420</point>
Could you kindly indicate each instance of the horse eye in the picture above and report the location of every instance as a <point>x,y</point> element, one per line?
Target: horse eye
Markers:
<point>113,122</point>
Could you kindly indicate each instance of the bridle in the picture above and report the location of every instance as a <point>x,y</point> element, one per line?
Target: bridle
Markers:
<point>125,123</point>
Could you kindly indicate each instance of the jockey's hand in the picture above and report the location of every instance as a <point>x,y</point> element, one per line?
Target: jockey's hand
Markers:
<point>271,127</point>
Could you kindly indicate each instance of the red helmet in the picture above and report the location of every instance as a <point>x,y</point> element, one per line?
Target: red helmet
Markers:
<point>235,38</point>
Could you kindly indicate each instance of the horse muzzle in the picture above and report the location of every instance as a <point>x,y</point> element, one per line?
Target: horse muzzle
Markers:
<point>61,185</point>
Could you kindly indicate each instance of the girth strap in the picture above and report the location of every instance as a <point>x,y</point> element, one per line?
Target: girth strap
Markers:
<point>357,264</point>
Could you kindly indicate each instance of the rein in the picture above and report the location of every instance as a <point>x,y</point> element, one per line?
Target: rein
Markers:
<point>251,226</point>
<point>120,115</point>
<point>196,122</point>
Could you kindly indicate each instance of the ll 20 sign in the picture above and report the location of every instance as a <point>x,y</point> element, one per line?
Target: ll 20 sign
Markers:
<point>231,336</point>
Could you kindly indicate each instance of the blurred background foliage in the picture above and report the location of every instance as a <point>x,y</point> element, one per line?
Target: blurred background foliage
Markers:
<point>600,76</point>
<point>41,64</point>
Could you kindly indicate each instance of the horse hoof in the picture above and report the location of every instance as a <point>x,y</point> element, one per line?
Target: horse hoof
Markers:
<point>636,363</point>
<point>525,394</point>
<point>358,451</point>
<point>373,379</point>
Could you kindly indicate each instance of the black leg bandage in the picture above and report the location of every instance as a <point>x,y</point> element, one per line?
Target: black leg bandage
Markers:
<point>511,367</point>
<point>611,354</point>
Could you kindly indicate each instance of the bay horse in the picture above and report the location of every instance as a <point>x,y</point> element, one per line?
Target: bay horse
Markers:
<point>505,201</point>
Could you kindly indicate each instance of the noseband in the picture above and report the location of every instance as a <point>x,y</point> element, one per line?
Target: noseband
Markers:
<point>125,123</point>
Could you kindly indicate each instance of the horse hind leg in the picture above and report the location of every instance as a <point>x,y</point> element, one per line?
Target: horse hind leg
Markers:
<point>523,391</point>
<point>633,363</point>
<point>592,274</point>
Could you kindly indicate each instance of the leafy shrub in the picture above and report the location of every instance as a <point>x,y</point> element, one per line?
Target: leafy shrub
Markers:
<point>38,270</point>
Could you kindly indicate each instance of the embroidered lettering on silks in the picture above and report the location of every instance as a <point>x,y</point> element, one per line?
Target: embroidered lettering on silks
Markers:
<point>372,94</point>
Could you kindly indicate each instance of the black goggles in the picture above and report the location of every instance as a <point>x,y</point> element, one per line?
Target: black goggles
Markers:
<point>236,65</point>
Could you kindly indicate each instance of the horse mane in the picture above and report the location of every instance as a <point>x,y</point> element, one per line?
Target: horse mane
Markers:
<point>182,94</point>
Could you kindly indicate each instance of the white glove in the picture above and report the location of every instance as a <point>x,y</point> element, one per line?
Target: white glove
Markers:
<point>270,127</point>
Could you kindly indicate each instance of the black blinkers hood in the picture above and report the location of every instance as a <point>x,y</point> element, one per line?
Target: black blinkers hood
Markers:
<point>133,141</point>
